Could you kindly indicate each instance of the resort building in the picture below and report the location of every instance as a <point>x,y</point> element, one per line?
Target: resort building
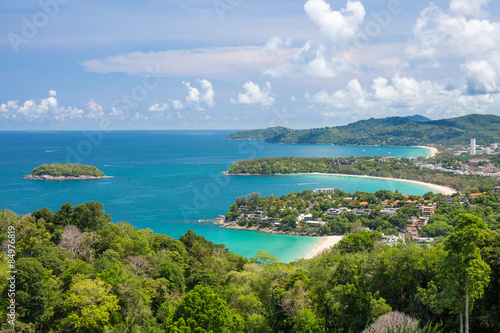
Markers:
<point>337,211</point>
<point>427,210</point>
<point>324,190</point>
<point>388,211</point>
<point>496,189</point>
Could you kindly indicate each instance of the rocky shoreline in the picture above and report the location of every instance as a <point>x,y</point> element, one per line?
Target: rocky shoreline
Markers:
<point>48,177</point>
<point>235,226</point>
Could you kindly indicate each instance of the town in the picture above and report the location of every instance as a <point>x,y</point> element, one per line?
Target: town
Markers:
<point>327,211</point>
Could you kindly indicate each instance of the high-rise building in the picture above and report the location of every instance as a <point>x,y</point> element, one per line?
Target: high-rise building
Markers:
<point>473,146</point>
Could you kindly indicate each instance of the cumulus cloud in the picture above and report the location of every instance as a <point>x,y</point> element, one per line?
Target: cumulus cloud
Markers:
<point>323,57</point>
<point>401,95</point>
<point>158,107</point>
<point>48,109</point>
<point>462,38</point>
<point>468,7</point>
<point>196,99</point>
<point>254,94</point>
<point>341,25</point>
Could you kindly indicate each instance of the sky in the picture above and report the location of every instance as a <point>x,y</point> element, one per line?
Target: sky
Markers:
<point>241,64</point>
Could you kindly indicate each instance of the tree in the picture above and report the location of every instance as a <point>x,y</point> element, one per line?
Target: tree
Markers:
<point>467,275</point>
<point>202,310</point>
<point>88,305</point>
<point>72,240</point>
<point>358,242</point>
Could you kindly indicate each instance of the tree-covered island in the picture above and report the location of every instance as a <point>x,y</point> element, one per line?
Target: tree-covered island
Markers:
<point>65,171</point>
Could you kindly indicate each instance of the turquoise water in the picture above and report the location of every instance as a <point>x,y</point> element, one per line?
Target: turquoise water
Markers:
<point>167,180</point>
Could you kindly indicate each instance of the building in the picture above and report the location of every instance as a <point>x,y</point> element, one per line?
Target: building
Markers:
<point>337,211</point>
<point>427,210</point>
<point>496,189</point>
<point>473,146</point>
<point>388,211</point>
<point>494,146</point>
<point>324,190</point>
<point>304,217</point>
<point>360,211</point>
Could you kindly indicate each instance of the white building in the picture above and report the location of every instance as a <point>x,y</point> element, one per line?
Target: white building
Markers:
<point>473,146</point>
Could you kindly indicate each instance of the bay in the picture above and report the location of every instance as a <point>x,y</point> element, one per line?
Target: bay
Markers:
<point>167,180</point>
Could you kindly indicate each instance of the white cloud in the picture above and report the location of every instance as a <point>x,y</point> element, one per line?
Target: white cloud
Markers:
<point>323,56</point>
<point>468,7</point>
<point>452,39</point>
<point>481,77</point>
<point>401,95</point>
<point>340,26</point>
<point>48,109</point>
<point>95,110</point>
<point>177,105</point>
<point>159,107</point>
<point>253,94</point>
<point>274,44</point>
<point>214,62</point>
<point>197,100</point>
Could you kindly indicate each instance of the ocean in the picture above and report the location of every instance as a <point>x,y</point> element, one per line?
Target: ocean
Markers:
<point>167,180</point>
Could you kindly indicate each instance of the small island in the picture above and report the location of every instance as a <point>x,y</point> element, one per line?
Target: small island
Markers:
<point>64,171</point>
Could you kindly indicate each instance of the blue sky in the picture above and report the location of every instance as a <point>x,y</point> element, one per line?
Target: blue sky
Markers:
<point>235,64</point>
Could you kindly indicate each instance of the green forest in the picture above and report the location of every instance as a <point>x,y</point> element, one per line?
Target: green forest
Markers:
<point>79,272</point>
<point>371,166</point>
<point>391,131</point>
<point>287,208</point>
<point>63,169</point>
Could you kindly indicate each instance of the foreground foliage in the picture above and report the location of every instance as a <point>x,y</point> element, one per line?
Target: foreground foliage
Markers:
<point>121,279</point>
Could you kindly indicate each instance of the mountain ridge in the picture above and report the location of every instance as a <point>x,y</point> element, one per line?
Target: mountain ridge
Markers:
<point>390,131</point>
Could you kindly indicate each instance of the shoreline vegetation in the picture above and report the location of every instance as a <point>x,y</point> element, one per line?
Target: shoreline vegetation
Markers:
<point>391,168</point>
<point>65,171</point>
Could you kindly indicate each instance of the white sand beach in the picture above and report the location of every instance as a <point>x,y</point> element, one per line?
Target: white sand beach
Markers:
<point>438,188</point>
<point>326,243</point>
<point>433,151</point>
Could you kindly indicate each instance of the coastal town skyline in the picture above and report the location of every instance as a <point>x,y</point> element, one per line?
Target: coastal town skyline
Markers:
<point>240,65</point>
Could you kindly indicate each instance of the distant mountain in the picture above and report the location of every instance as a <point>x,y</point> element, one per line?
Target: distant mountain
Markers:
<point>391,131</point>
<point>419,118</point>
<point>260,134</point>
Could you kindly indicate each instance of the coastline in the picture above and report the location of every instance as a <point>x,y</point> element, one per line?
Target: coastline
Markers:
<point>439,188</point>
<point>433,150</point>
<point>324,245</point>
<point>48,177</point>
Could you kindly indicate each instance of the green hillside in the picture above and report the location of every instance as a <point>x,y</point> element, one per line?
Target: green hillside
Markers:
<point>391,131</point>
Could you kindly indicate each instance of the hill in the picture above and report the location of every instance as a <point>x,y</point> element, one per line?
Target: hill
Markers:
<point>391,131</point>
<point>65,171</point>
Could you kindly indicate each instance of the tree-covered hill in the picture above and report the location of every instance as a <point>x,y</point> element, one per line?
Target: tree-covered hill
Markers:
<point>78,272</point>
<point>390,131</point>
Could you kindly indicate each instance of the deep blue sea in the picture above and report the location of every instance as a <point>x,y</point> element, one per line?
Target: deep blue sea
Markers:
<point>167,180</point>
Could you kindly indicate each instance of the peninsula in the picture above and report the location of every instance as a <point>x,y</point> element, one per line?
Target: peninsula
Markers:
<point>404,169</point>
<point>65,172</point>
